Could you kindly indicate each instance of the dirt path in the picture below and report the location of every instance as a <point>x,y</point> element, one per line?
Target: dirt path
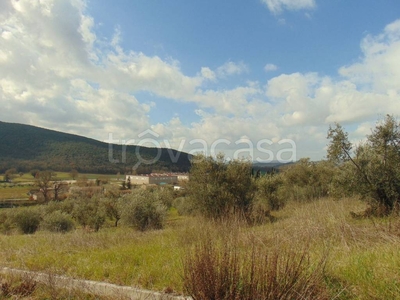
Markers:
<point>93,287</point>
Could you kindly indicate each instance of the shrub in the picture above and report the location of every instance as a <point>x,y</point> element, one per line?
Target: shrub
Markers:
<point>144,210</point>
<point>221,189</point>
<point>113,208</point>
<point>306,180</point>
<point>5,222</point>
<point>373,164</point>
<point>268,193</point>
<point>58,221</point>
<point>27,220</point>
<point>184,206</point>
<point>89,213</point>
<point>223,272</point>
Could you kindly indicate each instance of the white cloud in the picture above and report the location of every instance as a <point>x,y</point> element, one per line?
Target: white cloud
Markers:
<point>232,68</point>
<point>207,73</point>
<point>277,6</point>
<point>53,73</point>
<point>379,69</point>
<point>270,67</point>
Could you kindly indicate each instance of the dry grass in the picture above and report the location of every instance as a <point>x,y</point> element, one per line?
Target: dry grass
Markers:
<point>228,272</point>
<point>26,287</point>
<point>363,260</point>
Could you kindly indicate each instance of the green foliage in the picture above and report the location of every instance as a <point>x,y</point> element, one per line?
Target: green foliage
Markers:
<point>6,221</point>
<point>374,165</point>
<point>74,174</point>
<point>27,220</point>
<point>144,210</point>
<point>184,206</point>
<point>27,147</point>
<point>221,189</point>
<point>113,207</point>
<point>89,212</point>
<point>340,147</point>
<point>269,191</point>
<point>10,174</point>
<point>58,221</point>
<point>33,172</point>
<point>307,180</point>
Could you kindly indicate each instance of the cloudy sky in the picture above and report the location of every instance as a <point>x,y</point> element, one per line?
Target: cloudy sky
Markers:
<point>192,74</point>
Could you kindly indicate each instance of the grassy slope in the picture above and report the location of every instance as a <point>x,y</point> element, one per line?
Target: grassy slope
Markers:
<point>364,261</point>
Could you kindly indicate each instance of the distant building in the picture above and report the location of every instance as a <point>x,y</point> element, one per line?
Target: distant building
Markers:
<point>183,176</point>
<point>158,179</point>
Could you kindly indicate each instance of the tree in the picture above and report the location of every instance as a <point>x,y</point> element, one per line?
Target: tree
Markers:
<point>375,163</point>
<point>10,174</point>
<point>113,208</point>
<point>46,181</point>
<point>144,210</point>
<point>34,172</point>
<point>221,189</point>
<point>74,174</point>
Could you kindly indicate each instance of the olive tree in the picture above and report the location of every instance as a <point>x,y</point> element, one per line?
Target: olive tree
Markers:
<point>374,163</point>
<point>221,189</point>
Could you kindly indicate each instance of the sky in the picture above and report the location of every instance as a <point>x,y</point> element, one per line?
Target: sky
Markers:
<point>261,79</point>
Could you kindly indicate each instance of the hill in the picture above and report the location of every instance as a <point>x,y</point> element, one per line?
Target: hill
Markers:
<point>26,147</point>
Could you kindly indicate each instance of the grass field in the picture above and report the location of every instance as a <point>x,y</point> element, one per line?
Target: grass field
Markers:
<point>27,177</point>
<point>363,257</point>
<point>14,192</point>
<point>21,185</point>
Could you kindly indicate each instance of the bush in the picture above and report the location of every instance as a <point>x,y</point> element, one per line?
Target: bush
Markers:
<point>222,272</point>
<point>27,220</point>
<point>89,212</point>
<point>221,189</point>
<point>269,192</point>
<point>58,221</point>
<point>144,210</point>
<point>184,206</point>
<point>306,180</point>
<point>5,222</point>
<point>373,164</point>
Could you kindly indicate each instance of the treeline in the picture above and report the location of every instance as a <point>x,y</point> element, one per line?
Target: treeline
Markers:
<point>223,190</point>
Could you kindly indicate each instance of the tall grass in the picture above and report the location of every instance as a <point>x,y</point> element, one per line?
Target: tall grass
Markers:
<point>223,272</point>
<point>363,261</point>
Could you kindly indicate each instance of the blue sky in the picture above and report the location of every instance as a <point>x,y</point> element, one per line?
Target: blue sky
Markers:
<point>201,70</point>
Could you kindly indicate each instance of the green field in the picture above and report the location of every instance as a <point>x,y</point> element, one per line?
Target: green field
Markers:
<point>14,192</point>
<point>27,177</point>
<point>21,185</point>
<point>363,257</point>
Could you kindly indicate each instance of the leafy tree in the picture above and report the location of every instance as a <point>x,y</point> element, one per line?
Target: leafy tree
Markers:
<point>34,172</point>
<point>27,220</point>
<point>307,180</point>
<point>58,221</point>
<point>269,191</point>
<point>113,208</point>
<point>74,174</point>
<point>46,181</point>
<point>89,213</point>
<point>144,210</point>
<point>375,163</point>
<point>10,174</point>
<point>221,189</point>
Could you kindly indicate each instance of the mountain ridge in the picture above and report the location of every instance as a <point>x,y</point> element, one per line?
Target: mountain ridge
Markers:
<point>27,147</point>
